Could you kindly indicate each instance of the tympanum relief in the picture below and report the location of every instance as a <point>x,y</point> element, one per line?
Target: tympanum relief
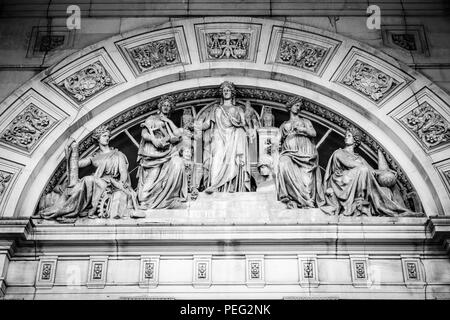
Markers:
<point>226,147</point>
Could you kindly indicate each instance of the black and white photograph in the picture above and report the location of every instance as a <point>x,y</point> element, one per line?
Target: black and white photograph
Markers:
<point>224,150</point>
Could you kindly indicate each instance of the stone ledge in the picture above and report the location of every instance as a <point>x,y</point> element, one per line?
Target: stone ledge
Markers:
<point>12,228</point>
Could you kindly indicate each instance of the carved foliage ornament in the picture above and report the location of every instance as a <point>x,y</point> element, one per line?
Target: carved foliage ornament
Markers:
<point>301,54</point>
<point>428,125</point>
<point>5,178</point>
<point>228,45</point>
<point>369,80</point>
<point>27,128</point>
<point>406,41</point>
<point>87,82</point>
<point>155,54</point>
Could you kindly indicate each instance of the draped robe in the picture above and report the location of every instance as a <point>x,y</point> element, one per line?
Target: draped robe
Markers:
<point>83,198</point>
<point>355,188</point>
<point>226,156</point>
<point>162,181</point>
<point>298,177</point>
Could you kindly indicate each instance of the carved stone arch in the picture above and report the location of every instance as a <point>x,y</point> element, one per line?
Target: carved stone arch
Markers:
<point>333,79</point>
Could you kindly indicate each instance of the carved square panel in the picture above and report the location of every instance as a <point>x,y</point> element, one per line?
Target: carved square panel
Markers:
<point>85,78</point>
<point>412,271</point>
<point>255,276</point>
<point>374,79</point>
<point>42,41</point>
<point>45,277</point>
<point>427,119</point>
<point>308,272</point>
<point>27,121</point>
<point>149,271</point>
<point>444,173</point>
<point>227,41</point>
<point>155,50</point>
<point>300,50</point>
<point>97,272</point>
<point>411,39</point>
<point>9,173</point>
<point>202,271</point>
<point>359,266</point>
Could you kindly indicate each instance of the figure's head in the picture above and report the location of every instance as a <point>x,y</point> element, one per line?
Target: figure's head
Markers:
<point>102,135</point>
<point>353,136</point>
<point>295,104</point>
<point>265,166</point>
<point>166,104</point>
<point>227,90</point>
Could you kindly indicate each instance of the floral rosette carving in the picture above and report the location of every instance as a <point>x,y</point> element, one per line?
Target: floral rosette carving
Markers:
<point>301,54</point>
<point>369,80</point>
<point>87,82</point>
<point>428,125</point>
<point>27,127</point>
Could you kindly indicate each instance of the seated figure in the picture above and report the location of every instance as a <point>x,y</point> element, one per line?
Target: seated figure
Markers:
<point>299,181</point>
<point>162,180</point>
<point>83,198</point>
<point>351,185</point>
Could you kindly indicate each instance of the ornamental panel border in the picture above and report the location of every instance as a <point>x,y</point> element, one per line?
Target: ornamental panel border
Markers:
<point>37,132</point>
<point>155,40</point>
<point>231,41</point>
<point>429,128</point>
<point>13,171</point>
<point>372,78</point>
<point>323,49</point>
<point>84,79</point>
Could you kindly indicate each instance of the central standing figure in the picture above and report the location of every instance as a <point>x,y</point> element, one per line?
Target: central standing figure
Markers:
<point>225,152</point>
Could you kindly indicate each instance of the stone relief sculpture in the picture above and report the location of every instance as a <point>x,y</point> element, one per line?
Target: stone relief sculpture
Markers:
<point>225,151</point>
<point>239,151</point>
<point>108,189</point>
<point>299,182</point>
<point>161,173</point>
<point>351,184</point>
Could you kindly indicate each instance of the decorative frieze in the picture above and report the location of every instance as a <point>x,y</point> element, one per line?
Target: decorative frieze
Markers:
<point>228,45</point>
<point>255,270</point>
<point>149,271</point>
<point>87,82</point>
<point>301,54</point>
<point>46,271</point>
<point>369,80</point>
<point>359,266</point>
<point>27,128</point>
<point>431,128</point>
<point>202,271</point>
<point>97,272</point>
<point>155,54</point>
<point>231,41</point>
<point>308,272</point>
